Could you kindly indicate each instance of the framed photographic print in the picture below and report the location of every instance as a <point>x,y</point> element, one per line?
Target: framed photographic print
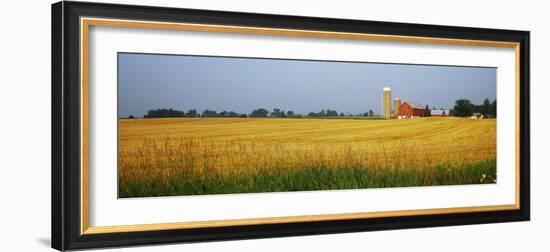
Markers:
<point>180,125</point>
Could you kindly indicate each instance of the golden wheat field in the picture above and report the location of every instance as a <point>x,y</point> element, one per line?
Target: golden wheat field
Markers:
<point>174,156</point>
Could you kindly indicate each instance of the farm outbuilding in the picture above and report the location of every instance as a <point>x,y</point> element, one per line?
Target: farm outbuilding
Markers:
<point>411,110</point>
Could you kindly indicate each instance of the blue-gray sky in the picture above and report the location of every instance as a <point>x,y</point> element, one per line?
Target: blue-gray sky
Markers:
<point>150,81</point>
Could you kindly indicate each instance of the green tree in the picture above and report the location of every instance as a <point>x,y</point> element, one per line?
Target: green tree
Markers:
<point>290,113</point>
<point>223,114</point>
<point>278,113</point>
<point>191,113</point>
<point>209,113</point>
<point>371,113</point>
<point>160,113</point>
<point>331,113</point>
<point>275,112</point>
<point>463,108</point>
<point>427,111</point>
<point>486,108</point>
<point>261,112</point>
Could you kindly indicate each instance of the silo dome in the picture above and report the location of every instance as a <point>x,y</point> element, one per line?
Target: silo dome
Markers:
<point>386,89</point>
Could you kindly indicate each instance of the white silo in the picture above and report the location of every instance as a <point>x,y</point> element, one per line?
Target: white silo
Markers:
<point>386,102</point>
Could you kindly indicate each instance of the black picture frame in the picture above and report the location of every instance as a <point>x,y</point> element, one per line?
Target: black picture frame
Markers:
<point>66,155</point>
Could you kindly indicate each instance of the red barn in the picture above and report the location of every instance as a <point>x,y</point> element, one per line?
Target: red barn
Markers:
<point>411,110</point>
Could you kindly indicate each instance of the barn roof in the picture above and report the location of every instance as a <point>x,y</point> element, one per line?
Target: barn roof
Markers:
<point>415,105</point>
<point>440,112</point>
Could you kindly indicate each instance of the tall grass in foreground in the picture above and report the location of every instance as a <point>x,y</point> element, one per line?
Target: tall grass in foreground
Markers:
<point>173,182</point>
<point>306,158</point>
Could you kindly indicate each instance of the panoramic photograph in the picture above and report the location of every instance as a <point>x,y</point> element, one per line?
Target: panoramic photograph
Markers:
<point>201,125</point>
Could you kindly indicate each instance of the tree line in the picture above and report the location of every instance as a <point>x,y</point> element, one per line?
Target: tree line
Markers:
<point>465,108</point>
<point>462,108</point>
<point>256,113</point>
<point>162,113</point>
